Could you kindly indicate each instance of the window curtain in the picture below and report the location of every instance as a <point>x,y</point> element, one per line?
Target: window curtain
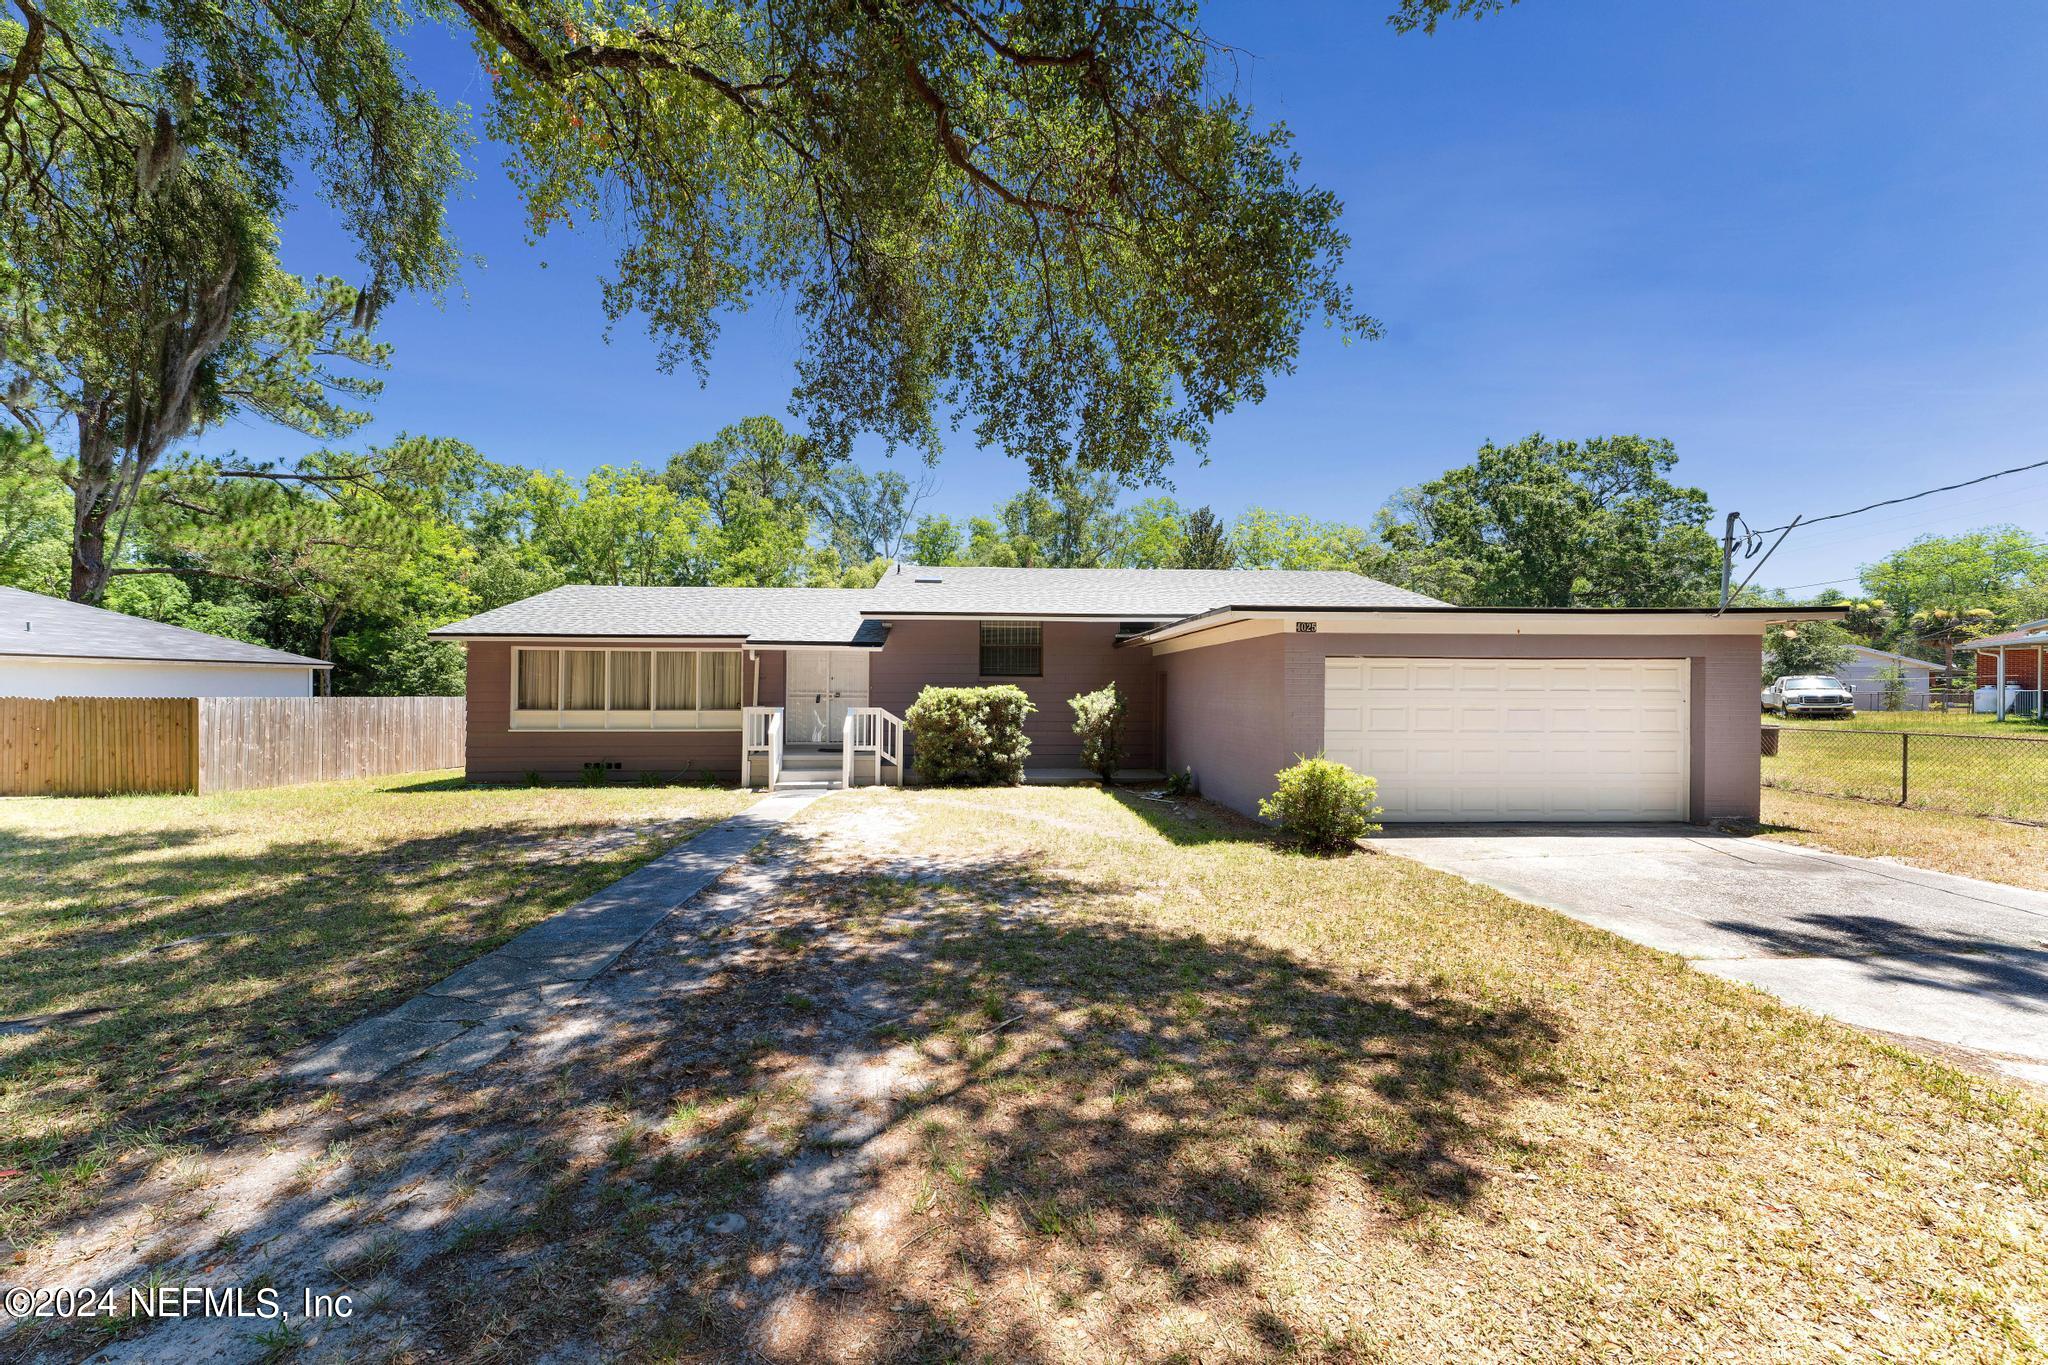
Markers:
<point>722,680</point>
<point>630,683</point>
<point>675,682</point>
<point>540,679</point>
<point>583,680</point>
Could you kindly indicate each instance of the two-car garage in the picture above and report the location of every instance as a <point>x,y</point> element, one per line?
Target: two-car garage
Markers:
<point>1514,739</point>
<point>1476,714</point>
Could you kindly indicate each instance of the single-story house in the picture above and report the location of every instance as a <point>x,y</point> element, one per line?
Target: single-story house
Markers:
<point>51,647</point>
<point>1864,673</point>
<point>1460,713</point>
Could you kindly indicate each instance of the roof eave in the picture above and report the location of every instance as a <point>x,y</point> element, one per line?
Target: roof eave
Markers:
<point>284,661</point>
<point>453,633</point>
<point>1221,615</point>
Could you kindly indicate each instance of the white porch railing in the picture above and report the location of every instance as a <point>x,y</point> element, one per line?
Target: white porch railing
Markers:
<point>871,732</point>
<point>760,738</point>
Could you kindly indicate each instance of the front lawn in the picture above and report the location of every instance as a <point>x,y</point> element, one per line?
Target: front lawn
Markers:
<point>1991,769</point>
<point>1153,1089</point>
<point>1963,844</point>
<point>1935,722</point>
<point>159,953</point>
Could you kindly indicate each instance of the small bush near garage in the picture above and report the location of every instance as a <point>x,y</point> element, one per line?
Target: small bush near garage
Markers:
<point>1322,805</point>
<point>969,736</point>
<point>1099,722</point>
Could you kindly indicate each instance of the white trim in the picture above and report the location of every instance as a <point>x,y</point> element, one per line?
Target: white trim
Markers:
<point>1397,621</point>
<point>1070,616</point>
<point>153,659</point>
<point>603,641</point>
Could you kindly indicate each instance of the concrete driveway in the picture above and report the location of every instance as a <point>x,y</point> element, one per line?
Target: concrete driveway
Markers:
<point>1959,962</point>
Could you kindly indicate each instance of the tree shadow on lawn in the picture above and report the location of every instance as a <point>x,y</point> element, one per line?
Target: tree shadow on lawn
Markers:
<point>154,994</point>
<point>1105,1107</point>
<point>1192,821</point>
<point>1102,1108</point>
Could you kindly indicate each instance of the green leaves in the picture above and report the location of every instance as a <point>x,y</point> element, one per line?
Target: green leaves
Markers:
<point>1544,523</point>
<point>1999,571</point>
<point>1818,647</point>
<point>1037,215</point>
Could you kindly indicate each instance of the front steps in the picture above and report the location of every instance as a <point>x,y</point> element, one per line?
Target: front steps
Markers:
<point>810,772</point>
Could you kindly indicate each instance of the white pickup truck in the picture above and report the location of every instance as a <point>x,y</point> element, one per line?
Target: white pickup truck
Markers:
<point>1810,694</point>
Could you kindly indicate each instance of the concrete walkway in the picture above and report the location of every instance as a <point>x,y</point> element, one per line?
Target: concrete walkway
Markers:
<point>475,1014</point>
<point>1952,960</point>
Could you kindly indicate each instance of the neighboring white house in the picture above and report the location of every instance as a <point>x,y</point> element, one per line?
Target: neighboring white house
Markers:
<point>1864,673</point>
<point>50,647</point>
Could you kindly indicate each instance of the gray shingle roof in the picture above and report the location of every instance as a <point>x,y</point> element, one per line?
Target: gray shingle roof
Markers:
<point>849,616</point>
<point>792,616</point>
<point>1134,594</point>
<point>52,627</point>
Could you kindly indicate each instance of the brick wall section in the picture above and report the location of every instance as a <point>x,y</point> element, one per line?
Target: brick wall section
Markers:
<point>498,753</point>
<point>1079,657</point>
<point>1223,718</point>
<point>1726,759</point>
<point>2022,669</point>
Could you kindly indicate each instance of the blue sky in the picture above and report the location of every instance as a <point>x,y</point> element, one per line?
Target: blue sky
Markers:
<point>1802,241</point>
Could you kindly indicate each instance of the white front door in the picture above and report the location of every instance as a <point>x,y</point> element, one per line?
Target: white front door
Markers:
<point>1514,739</point>
<point>820,685</point>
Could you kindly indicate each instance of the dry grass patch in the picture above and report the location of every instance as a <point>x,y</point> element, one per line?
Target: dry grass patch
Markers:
<point>158,954</point>
<point>1181,1095</point>
<point>1261,1103</point>
<point>1064,1075</point>
<point>1963,844</point>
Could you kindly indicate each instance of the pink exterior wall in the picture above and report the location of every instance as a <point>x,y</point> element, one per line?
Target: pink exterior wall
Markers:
<point>1222,722</point>
<point>498,753</point>
<point>769,686</point>
<point>1079,657</point>
<point>1223,718</point>
<point>1235,713</point>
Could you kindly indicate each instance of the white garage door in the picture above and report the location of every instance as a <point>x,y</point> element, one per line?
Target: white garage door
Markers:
<point>1501,739</point>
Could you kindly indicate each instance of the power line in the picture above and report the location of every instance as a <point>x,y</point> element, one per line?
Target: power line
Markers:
<point>1752,540</point>
<point>1910,497</point>
<point>2012,498</point>
<point>1825,583</point>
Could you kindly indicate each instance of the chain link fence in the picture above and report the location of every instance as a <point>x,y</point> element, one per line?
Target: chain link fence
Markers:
<point>1970,774</point>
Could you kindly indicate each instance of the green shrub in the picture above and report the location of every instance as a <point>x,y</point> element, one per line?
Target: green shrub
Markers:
<point>969,736</point>
<point>1180,782</point>
<point>1099,722</point>
<point>1322,805</point>
<point>593,775</point>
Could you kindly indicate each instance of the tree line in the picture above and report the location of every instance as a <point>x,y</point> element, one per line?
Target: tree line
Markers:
<point>353,556</point>
<point>1923,600</point>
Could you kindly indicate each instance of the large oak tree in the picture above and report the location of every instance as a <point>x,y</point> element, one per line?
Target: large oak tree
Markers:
<point>1052,220</point>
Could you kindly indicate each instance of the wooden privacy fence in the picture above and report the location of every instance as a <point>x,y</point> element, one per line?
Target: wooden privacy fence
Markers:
<point>88,746</point>
<point>95,746</point>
